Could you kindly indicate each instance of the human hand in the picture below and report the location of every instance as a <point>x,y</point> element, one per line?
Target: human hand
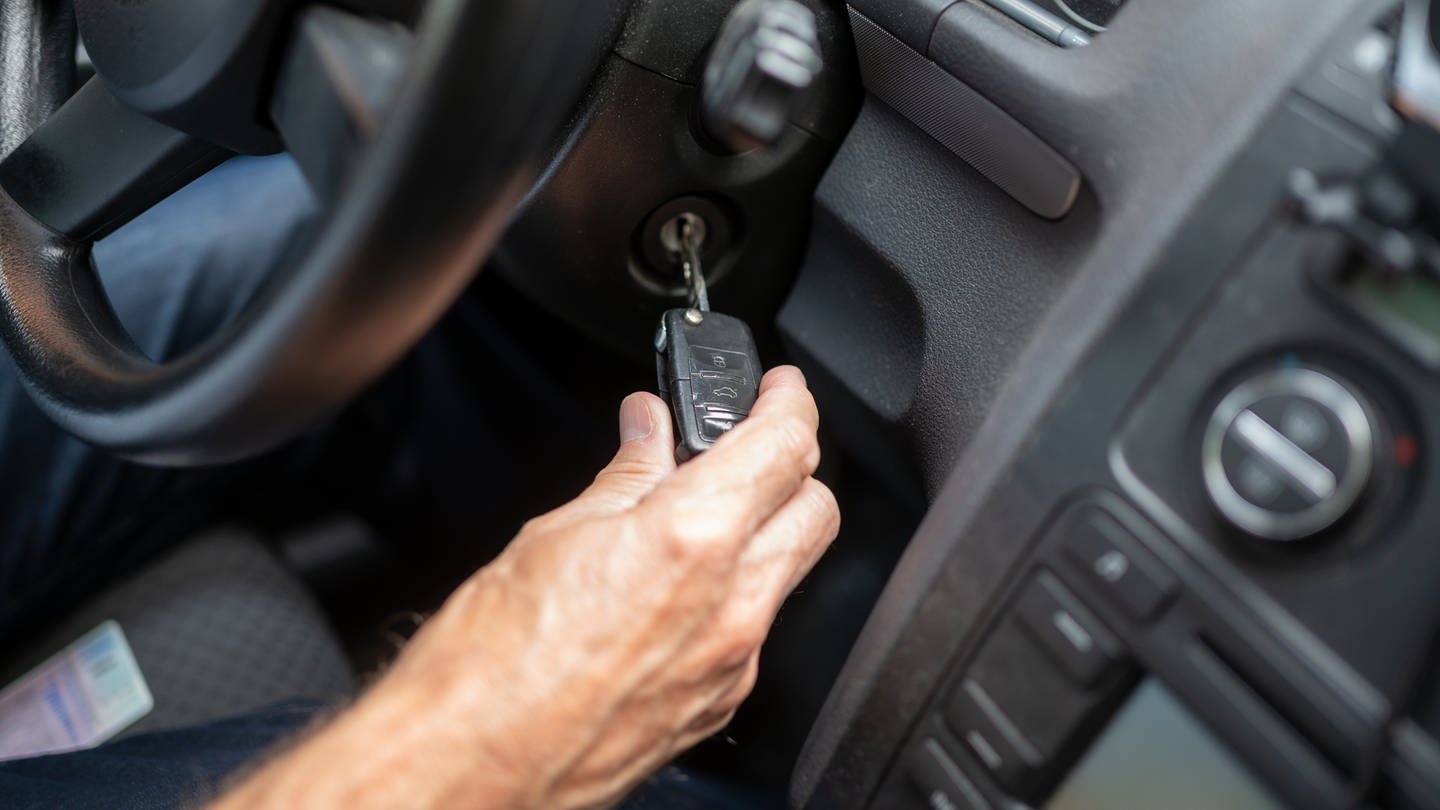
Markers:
<point>613,633</point>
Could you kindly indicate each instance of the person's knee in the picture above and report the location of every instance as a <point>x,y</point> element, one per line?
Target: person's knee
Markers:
<point>186,267</point>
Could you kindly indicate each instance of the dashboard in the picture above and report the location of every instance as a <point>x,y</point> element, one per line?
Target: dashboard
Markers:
<point>1092,15</point>
<point>1175,424</point>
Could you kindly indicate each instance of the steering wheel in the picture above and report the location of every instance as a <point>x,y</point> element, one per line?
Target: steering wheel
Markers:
<point>420,183</point>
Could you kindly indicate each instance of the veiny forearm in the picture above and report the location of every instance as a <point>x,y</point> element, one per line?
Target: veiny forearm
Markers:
<point>423,737</point>
<point>486,709</point>
<point>394,748</point>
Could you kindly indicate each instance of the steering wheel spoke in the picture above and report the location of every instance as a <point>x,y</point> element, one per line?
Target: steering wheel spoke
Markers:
<point>438,174</point>
<point>95,164</point>
<point>335,85</point>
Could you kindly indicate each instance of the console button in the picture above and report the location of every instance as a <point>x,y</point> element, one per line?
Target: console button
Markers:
<point>992,737</point>
<point>939,780</point>
<point>1075,638</point>
<point>1020,715</point>
<point>1110,558</point>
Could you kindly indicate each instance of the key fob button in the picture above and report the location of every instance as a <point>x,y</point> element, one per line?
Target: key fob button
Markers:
<point>731,393</point>
<point>706,361</point>
<point>714,424</point>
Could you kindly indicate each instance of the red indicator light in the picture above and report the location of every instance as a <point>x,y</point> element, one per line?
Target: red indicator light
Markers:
<point>1405,450</point>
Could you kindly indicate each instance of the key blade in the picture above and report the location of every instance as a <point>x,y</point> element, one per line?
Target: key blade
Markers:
<point>691,240</point>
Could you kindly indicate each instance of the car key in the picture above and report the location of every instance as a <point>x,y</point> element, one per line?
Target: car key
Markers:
<point>707,362</point>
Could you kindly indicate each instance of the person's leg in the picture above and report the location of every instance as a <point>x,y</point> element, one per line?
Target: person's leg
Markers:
<point>162,771</point>
<point>443,453</point>
<point>677,788</point>
<point>168,770</point>
<point>176,274</point>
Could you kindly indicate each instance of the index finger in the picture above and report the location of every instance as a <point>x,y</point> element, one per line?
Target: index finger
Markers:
<point>730,490</point>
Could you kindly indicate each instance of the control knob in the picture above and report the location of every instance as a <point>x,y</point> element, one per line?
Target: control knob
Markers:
<point>1288,452</point>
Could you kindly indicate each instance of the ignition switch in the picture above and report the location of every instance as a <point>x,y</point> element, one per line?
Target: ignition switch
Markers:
<point>657,266</point>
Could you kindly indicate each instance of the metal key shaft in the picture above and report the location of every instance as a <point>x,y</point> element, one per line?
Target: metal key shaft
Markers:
<point>691,240</point>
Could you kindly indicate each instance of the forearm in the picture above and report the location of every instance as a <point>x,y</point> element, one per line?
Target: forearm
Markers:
<point>460,721</point>
<point>397,747</point>
<point>612,634</point>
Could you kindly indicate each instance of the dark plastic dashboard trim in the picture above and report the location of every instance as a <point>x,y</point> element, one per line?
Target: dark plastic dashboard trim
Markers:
<point>964,121</point>
<point>1156,85</point>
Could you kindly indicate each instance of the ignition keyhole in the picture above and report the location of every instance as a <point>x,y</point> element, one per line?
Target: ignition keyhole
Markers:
<point>670,233</point>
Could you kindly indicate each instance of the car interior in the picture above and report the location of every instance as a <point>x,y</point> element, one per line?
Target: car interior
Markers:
<point>1123,319</point>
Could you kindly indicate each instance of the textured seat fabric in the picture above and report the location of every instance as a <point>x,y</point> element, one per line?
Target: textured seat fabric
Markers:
<point>221,630</point>
<point>219,627</point>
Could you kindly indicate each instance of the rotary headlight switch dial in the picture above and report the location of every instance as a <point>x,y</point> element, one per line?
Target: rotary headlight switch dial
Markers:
<point>1288,452</point>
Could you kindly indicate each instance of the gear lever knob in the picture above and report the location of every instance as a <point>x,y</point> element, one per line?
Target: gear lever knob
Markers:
<point>760,71</point>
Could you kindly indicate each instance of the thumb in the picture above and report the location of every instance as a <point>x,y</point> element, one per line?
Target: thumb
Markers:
<point>645,458</point>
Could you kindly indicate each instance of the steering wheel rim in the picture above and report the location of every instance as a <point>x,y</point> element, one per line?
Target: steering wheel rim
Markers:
<point>487,90</point>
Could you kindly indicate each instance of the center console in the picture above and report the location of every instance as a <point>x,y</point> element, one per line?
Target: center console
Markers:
<point>1211,575</point>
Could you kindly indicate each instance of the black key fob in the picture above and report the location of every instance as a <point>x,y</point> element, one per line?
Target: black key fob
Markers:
<point>709,373</point>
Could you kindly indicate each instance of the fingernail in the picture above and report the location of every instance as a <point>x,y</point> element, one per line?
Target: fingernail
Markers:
<point>635,420</point>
